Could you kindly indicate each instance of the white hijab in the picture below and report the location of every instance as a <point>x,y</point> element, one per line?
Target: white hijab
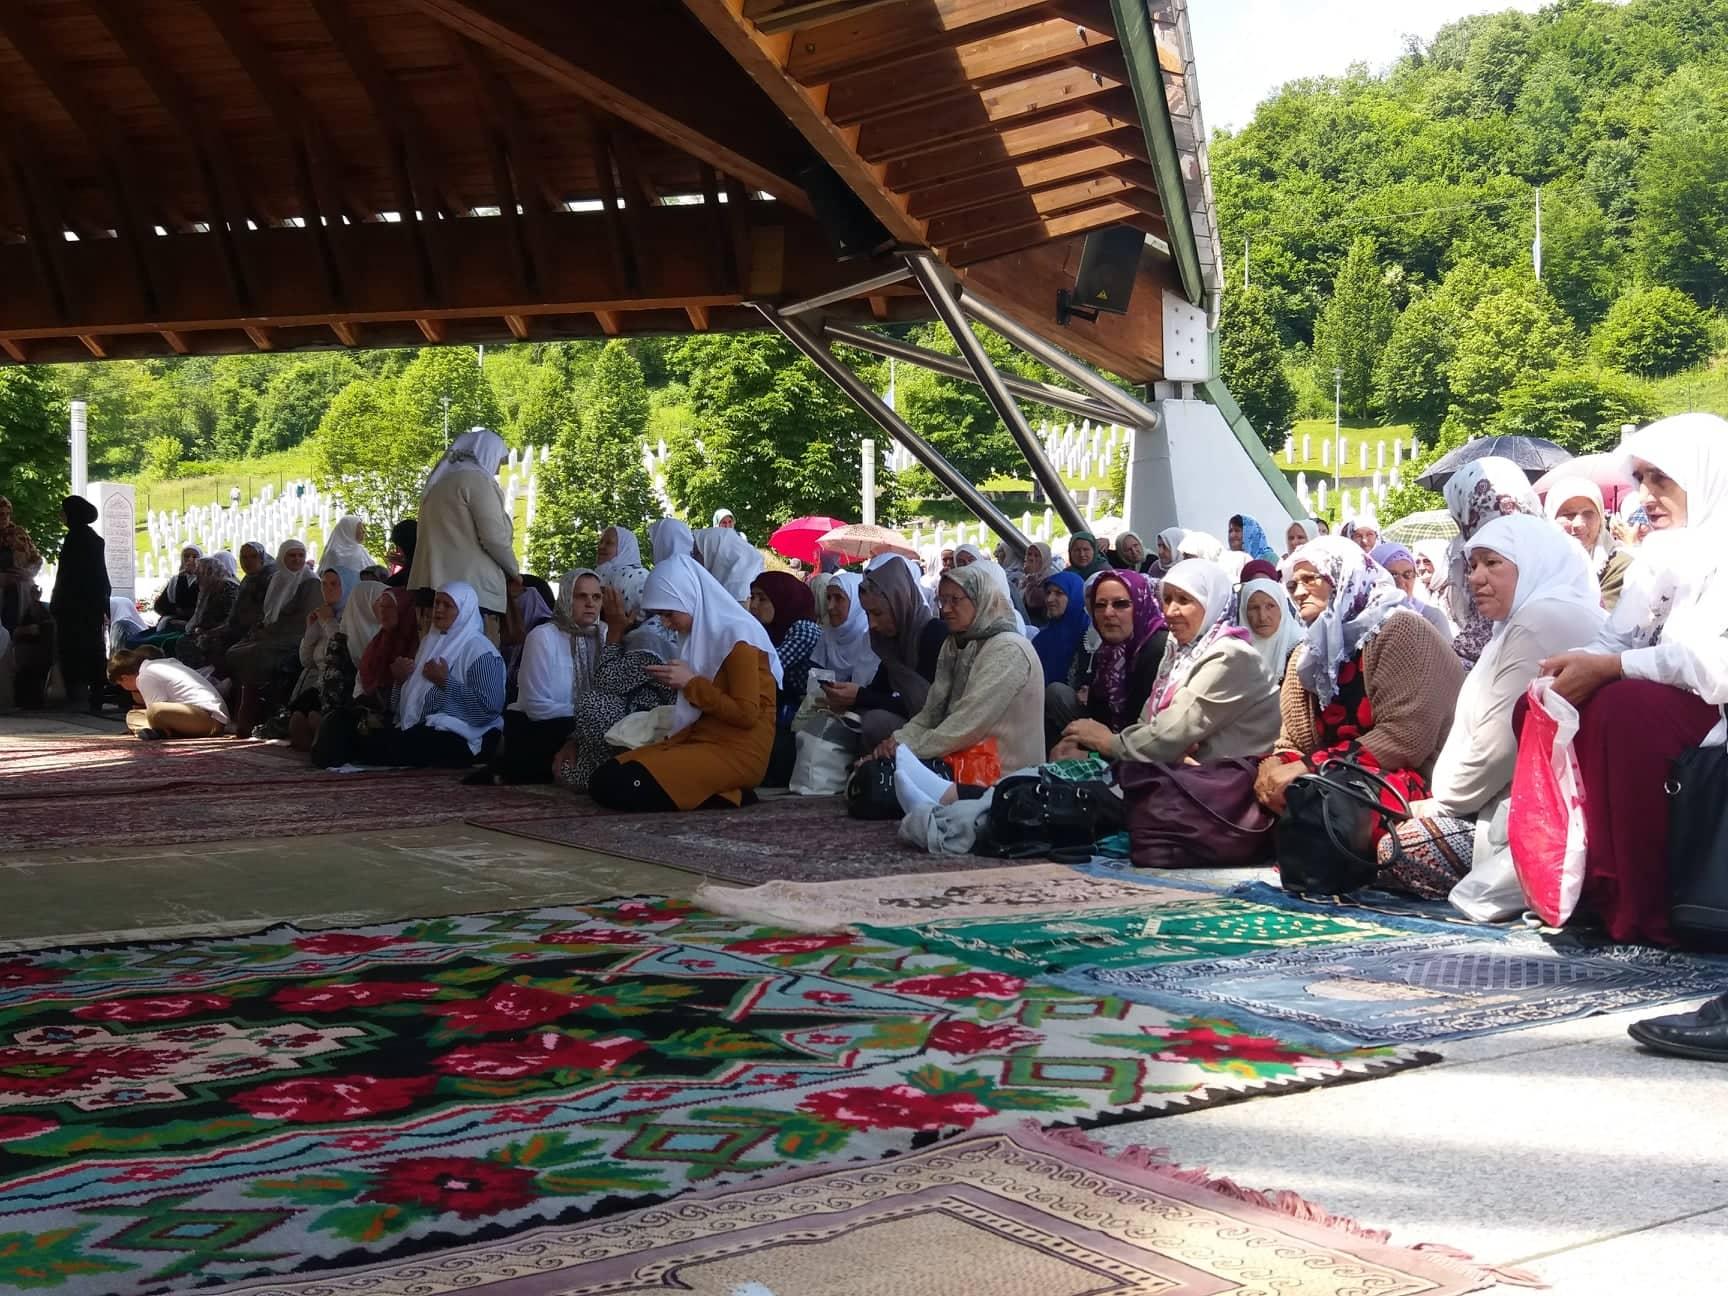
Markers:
<point>360,617</point>
<point>478,447</point>
<point>719,624</point>
<point>1275,648</point>
<point>343,550</point>
<point>1209,585</point>
<point>1677,587</point>
<point>122,611</point>
<point>1172,538</point>
<point>729,559</point>
<point>845,648</point>
<point>1567,489</point>
<point>629,548</point>
<point>819,591</point>
<point>284,584</point>
<point>1197,544</point>
<point>460,646</point>
<point>670,538</point>
<point>1552,568</point>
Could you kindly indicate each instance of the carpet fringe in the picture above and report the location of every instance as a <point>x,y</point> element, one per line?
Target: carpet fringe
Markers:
<point>1281,1201</point>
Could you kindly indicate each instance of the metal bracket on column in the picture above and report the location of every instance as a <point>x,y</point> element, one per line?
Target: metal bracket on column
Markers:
<point>807,340</point>
<point>932,278</point>
<point>1136,412</point>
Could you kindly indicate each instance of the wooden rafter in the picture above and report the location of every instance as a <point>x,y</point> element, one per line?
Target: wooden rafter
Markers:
<point>856,43</point>
<point>433,330</point>
<point>347,334</point>
<point>698,317</point>
<point>1069,128</point>
<point>608,322</point>
<point>94,345</point>
<point>1079,221</point>
<point>176,341</point>
<point>1029,208</point>
<point>618,230</point>
<point>958,195</point>
<point>41,235</point>
<point>260,338</point>
<point>518,326</point>
<point>599,52</point>
<point>517,173</point>
<point>774,16</point>
<point>15,350</point>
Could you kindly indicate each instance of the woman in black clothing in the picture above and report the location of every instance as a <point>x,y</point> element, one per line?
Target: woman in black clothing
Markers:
<point>400,554</point>
<point>80,606</point>
<point>906,638</point>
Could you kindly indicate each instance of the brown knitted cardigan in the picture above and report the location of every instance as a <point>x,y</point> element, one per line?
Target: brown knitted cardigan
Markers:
<point>1412,677</point>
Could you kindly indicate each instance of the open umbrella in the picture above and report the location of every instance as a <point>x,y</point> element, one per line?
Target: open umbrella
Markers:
<point>1606,470</point>
<point>1436,524</point>
<point>801,537</point>
<point>1533,454</point>
<point>860,540</point>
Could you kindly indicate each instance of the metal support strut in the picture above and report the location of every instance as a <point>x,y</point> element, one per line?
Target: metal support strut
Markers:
<point>802,336</point>
<point>933,280</point>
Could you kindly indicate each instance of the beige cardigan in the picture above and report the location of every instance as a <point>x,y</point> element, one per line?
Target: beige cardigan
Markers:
<point>465,535</point>
<point>993,689</point>
<point>1228,706</point>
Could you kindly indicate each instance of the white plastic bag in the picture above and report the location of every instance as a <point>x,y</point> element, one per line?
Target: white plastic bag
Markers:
<point>822,765</point>
<point>641,728</point>
<point>1546,822</point>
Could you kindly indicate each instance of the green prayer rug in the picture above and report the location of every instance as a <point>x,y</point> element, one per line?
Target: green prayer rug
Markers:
<point>1203,928</point>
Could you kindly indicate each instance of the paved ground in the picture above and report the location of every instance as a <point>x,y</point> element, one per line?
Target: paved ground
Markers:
<point>1564,1148</point>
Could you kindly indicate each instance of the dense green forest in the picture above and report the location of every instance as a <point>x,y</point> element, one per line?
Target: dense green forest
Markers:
<point>1389,218</point>
<point>1389,221</point>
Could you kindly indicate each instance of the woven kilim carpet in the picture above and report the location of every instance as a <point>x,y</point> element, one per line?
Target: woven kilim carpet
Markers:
<point>1001,1214</point>
<point>789,838</point>
<point>180,1114</point>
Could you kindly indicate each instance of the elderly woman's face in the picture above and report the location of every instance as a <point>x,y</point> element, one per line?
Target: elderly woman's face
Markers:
<point>1493,582</point>
<point>955,606</point>
<point>1055,602</point>
<point>1164,554</point>
<point>1131,550</point>
<point>1582,520</point>
<point>1034,561</point>
<point>332,583</point>
<point>1367,538</point>
<point>1263,614</point>
<point>880,615</point>
<point>1080,553</point>
<point>1182,612</point>
<point>250,559</point>
<point>585,601</point>
<point>608,549</point>
<point>839,605</point>
<point>947,560</point>
<point>444,611</point>
<point>1313,592</point>
<point>188,560</point>
<point>1424,566</point>
<point>1662,497</point>
<point>384,608</point>
<point>1403,573</point>
<point>1112,611</point>
<point>294,559</point>
<point>964,558</point>
<point>1295,537</point>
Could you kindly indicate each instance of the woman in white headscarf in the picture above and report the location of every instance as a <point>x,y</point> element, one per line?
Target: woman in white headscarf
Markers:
<point>345,548</point>
<point>845,647</point>
<point>1169,552</point>
<point>1270,616</point>
<point>1037,567</point>
<point>274,643</point>
<point>1373,681</point>
<point>1299,533</point>
<point>1575,506</point>
<point>451,696</point>
<point>1651,684</point>
<point>670,538</point>
<point>125,626</point>
<point>218,590</point>
<point>1480,491</point>
<point>723,721</point>
<point>465,533</point>
<point>1200,544</point>
<point>1213,696</point>
<point>618,545</point>
<point>729,559</point>
<point>1535,587</point>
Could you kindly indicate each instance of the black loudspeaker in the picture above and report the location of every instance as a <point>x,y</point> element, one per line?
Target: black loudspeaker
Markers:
<point>851,228</point>
<point>1109,262</point>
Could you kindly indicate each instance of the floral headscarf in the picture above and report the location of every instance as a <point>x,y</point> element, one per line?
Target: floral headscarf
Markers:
<point>1112,663</point>
<point>1364,595</point>
<point>1254,542</point>
<point>1480,491</point>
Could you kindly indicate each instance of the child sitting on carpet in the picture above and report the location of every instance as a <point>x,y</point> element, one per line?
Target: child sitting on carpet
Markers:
<point>175,700</point>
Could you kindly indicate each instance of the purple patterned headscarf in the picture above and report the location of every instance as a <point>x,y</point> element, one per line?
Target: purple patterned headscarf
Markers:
<point>1112,663</point>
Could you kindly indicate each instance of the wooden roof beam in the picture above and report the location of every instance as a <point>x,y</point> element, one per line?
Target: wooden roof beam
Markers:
<point>1030,208</point>
<point>433,330</point>
<point>631,64</point>
<point>764,58</point>
<point>347,334</point>
<point>94,345</point>
<point>518,326</point>
<point>15,350</point>
<point>516,170</point>
<point>856,42</point>
<point>774,16</point>
<point>608,322</point>
<point>964,69</point>
<point>260,338</point>
<point>957,195</point>
<point>698,316</point>
<point>1079,221</point>
<point>1114,112</point>
<point>176,341</point>
<point>44,237</point>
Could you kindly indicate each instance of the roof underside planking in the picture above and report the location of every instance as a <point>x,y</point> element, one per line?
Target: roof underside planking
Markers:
<point>220,176</point>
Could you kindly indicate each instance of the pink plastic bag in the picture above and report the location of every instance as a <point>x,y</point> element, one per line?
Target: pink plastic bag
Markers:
<point>1545,821</point>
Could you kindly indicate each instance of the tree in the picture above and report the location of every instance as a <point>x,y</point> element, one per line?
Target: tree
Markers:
<point>772,439</point>
<point>295,399</point>
<point>1411,381</point>
<point>367,454</point>
<point>1653,331</point>
<point>33,450</point>
<point>1509,337</point>
<point>440,373</point>
<point>1353,328</point>
<point>1582,409</point>
<point>1252,365</point>
<point>1681,234</point>
<point>594,477</point>
<point>237,385</point>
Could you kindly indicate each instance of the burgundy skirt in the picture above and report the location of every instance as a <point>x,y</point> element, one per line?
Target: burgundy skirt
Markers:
<point>1629,734</point>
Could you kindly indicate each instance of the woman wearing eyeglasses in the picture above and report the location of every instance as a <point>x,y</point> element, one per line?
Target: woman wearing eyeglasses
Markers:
<point>1373,681</point>
<point>1131,634</point>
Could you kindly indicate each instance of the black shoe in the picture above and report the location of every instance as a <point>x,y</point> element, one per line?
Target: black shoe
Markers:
<point>1702,1034</point>
<point>150,735</point>
<point>482,777</point>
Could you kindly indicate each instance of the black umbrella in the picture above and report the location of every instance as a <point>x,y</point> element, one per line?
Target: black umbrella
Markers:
<point>1533,454</point>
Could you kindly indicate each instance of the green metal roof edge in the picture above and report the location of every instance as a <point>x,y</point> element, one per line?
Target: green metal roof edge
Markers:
<point>1214,390</point>
<point>1140,49</point>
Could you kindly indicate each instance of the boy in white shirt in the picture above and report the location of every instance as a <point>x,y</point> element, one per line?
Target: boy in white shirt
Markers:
<point>175,700</point>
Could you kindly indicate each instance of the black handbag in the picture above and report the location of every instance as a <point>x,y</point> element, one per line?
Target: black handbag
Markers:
<point>870,790</point>
<point>1325,839</point>
<point>1036,816</point>
<point>1698,843</point>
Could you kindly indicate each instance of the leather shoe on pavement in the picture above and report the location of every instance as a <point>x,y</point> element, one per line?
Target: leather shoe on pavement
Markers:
<point>1702,1034</point>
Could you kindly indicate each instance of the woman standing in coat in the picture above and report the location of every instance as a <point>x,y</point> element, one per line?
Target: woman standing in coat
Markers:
<point>80,605</point>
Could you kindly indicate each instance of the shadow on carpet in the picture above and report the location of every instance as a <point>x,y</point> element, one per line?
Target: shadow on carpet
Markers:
<point>792,839</point>
<point>242,1109</point>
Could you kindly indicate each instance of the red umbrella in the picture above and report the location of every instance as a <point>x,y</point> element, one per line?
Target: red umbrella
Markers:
<point>799,538</point>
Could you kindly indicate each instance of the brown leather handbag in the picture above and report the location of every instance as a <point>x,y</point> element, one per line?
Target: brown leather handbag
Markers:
<point>1195,816</point>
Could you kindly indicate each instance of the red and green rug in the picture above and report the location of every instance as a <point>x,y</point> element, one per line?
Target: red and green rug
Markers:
<point>178,1115</point>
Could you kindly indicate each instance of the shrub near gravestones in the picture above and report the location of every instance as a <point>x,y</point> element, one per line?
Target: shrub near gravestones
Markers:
<point>1653,331</point>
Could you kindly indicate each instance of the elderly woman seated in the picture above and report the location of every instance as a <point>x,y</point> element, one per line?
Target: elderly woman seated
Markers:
<point>1575,503</point>
<point>1131,635</point>
<point>1536,587</point>
<point>1373,681</point>
<point>1212,696</point>
<point>989,687</point>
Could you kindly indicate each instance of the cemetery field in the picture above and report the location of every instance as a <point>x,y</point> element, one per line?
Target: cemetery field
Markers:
<point>1356,433</point>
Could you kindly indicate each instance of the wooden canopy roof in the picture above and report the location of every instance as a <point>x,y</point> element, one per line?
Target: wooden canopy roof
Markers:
<point>214,176</point>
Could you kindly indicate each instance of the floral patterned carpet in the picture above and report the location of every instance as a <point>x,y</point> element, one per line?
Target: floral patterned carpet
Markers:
<point>177,1115</point>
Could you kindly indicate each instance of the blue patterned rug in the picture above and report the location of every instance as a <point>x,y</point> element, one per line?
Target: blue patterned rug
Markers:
<point>1413,989</point>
